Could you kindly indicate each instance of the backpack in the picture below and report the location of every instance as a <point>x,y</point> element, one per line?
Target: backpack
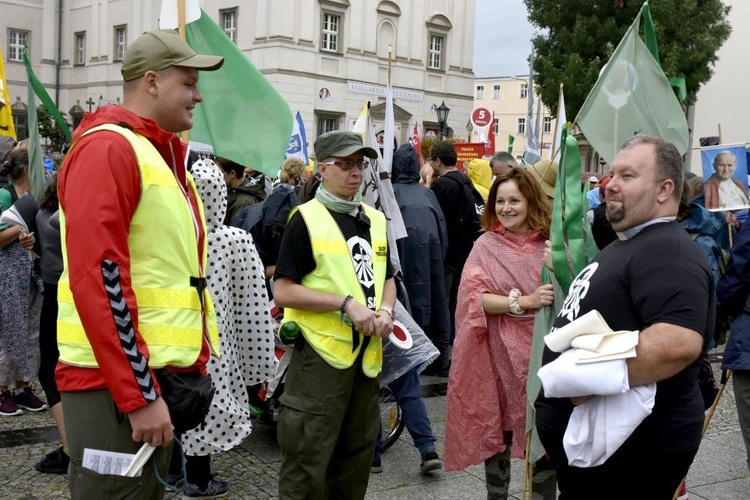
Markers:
<point>471,213</point>
<point>724,315</point>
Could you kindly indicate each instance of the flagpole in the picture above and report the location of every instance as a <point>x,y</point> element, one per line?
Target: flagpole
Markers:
<point>181,28</point>
<point>552,150</point>
<point>389,65</point>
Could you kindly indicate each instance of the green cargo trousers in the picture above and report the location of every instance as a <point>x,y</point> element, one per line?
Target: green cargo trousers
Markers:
<point>328,424</point>
<point>93,421</point>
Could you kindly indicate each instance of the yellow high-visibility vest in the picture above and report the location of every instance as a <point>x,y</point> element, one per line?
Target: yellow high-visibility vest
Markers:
<point>163,249</point>
<point>335,273</point>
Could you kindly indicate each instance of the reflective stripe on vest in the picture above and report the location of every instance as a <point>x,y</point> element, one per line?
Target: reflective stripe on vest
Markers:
<point>163,257</point>
<point>335,273</point>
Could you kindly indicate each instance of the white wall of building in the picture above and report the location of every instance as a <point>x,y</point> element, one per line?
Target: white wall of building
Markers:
<point>282,38</point>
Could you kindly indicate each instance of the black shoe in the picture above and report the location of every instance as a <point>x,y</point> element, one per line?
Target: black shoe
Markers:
<point>55,462</point>
<point>430,462</point>
<point>376,467</point>
<point>435,370</point>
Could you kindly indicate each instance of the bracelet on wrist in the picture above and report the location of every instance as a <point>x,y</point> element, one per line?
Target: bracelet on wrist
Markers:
<point>344,316</point>
<point>389,310</point>
<point>513,297</point>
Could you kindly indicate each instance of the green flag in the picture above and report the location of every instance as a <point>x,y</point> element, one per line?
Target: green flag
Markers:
<point>43,96</point>
<point>36,160</point>
<point>632,96</point>
<point>510,143</point>
<point>242,116</point>
<point>649,31</point>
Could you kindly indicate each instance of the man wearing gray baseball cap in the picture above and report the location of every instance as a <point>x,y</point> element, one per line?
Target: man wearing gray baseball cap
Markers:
<point>132,300</point>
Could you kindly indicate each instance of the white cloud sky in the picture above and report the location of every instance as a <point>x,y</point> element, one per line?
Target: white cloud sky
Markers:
<point>502,38</point>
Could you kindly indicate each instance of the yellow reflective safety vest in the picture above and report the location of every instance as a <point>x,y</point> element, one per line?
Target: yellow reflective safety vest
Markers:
<point>335,273</point>
<point>163,257</point>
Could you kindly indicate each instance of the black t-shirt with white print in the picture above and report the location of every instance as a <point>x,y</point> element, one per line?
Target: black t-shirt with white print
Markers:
<point>657,276</point>
<point>296,259</point>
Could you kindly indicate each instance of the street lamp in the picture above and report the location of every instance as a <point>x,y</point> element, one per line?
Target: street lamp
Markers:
<point>442,116</point>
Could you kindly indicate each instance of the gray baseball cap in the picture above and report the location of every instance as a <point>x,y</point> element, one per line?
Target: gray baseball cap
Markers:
<point>341,144</point>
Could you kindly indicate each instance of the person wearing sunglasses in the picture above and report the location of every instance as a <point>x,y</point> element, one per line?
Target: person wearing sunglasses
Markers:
<point>334,279</point>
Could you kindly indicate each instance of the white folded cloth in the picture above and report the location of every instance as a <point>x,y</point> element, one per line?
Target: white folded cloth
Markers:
<point>598,427</point>
<point>593,339</point>
<point>565,377</point>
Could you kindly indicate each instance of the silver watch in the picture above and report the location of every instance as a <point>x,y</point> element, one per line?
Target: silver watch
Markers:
<point>389,310</point>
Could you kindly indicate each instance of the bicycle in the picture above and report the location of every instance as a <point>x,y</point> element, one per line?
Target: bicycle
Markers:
<point>391,418</point>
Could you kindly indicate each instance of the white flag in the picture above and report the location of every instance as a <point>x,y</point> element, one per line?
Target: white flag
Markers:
<point>298,142</point>
<point>168,15</point>
<point>377,190</point>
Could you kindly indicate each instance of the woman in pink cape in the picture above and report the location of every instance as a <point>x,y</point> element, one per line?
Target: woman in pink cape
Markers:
<point>500,289</point>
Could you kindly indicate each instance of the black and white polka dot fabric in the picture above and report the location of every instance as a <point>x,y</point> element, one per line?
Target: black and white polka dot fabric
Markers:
<point>236,282</point>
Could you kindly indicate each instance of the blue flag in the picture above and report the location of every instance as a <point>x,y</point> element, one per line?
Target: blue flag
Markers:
<point>298,142</point>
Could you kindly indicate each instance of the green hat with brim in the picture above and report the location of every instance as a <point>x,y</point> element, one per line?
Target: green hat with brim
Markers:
<point>341,144</point>
<point>160,49</point>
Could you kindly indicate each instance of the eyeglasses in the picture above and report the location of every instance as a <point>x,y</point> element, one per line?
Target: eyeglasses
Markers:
<point>347,165</point>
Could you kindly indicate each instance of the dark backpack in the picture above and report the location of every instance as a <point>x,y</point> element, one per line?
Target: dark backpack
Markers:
<point>473,209</point>
<point>724,315</point>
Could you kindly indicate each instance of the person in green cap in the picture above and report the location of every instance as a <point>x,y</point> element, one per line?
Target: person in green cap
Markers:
<point>132,295</point>
<point>334,279</point>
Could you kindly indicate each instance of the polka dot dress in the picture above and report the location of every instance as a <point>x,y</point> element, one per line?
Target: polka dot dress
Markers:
<point>236,282</point>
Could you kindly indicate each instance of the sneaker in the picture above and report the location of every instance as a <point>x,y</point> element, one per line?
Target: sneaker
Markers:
<point>28,401</point>
<point>55,462</point>
<point>174,481</point>
<point>377,467</point>
<point>214,489</point>
<point>430,462</point>
<point>8,407</point>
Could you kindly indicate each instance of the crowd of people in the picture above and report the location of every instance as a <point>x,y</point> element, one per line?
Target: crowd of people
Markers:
<point>142,303</point>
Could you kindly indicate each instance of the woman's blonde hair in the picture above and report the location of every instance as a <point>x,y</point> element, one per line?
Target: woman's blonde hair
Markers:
<point>292,170</point>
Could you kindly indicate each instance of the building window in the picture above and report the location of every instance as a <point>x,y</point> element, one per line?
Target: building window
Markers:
<point>496,91</point>
<point>521,126</point>
<point>547,125</point>
<point>331,33</point>
<point>121,42</point>
<point>327,123</point>
<point>480,91</point>
<point>80,48</point>
<point>229,23</point>
<point>524,91</point>
<point>17,41</point>
<point>496,126</point>
<point>435,57</point>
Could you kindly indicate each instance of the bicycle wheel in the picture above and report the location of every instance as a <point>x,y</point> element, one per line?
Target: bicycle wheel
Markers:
<point>391,419</point>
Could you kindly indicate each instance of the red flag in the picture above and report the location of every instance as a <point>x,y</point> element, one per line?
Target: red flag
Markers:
<point>416,143</point>
<point>489,144</point>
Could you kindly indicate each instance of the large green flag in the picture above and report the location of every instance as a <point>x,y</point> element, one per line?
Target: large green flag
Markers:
<point>632,96</point>
<point>36,160</point>
<point>242,116</point>
<point>43,96</point>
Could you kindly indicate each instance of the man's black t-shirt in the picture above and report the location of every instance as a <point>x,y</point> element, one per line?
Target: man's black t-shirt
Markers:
<point>657,276</point>
<point>451,194</point>
<point>296,259</point>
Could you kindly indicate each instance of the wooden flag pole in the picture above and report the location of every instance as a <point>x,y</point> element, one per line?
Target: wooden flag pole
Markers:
<point>181,28</point>
<point>725,379</point>
<point>528,471</point>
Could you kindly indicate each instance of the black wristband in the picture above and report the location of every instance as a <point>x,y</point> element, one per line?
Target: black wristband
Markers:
<point>344,317</point>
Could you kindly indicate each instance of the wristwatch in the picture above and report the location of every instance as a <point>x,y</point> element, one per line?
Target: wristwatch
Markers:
<point>389,310</point>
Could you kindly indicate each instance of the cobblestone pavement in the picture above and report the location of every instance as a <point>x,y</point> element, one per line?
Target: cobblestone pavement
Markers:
<point>719,472</point>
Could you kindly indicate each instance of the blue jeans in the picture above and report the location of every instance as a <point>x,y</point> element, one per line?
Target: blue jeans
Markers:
<point>408,393</point>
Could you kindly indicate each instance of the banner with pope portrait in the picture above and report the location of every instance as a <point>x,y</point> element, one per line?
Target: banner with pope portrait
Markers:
<point>725,183</point>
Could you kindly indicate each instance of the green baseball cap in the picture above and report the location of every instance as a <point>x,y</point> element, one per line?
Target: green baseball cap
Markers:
<point>156,50</point>
<point>341,144</point>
